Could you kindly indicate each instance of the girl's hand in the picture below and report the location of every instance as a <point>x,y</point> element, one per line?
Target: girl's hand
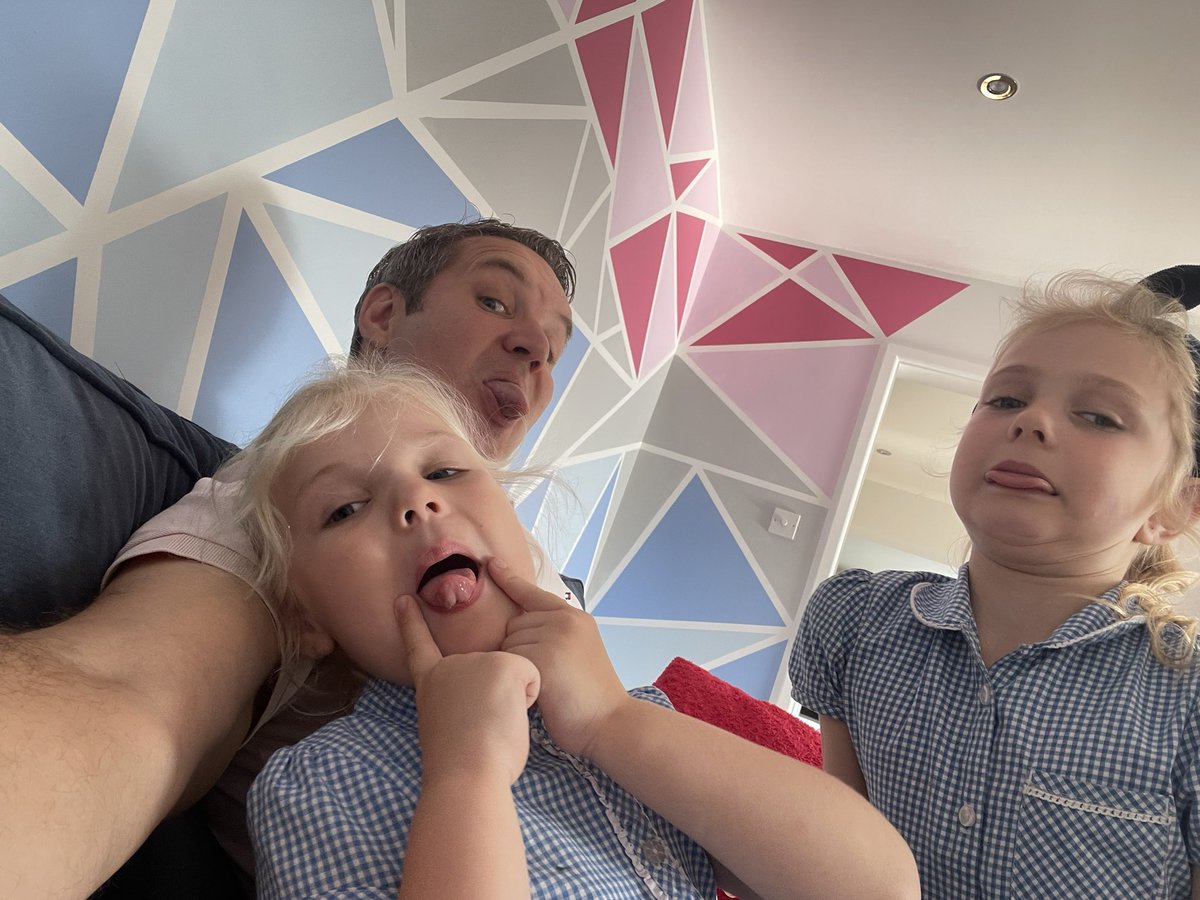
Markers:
<point>471,707</point>
<point>580,688</point>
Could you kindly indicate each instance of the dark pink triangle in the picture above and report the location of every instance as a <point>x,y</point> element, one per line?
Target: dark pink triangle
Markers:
<point>684,173</point>
<point>666,28</point>
<point>592,8</point>
<point>605,57</point>
<point>788,313</point>
<point>688,232</point>
<point>787,255</point>
<point>635,264</point>
<point>894,296</point>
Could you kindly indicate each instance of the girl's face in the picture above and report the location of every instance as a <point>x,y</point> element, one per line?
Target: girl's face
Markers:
<point>397,504</point>
<point>1061,460</point>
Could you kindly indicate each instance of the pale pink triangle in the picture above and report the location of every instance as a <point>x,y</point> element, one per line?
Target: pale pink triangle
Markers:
<point>692,131</point>
<point>683,173</point>
<point>786,314</point>
<point>702,195</point>
<point>825,388</point>
<point>820,274</point>
<point>568,7</point>
<point>635,264</point>
<point>642,186</point>
<point>688,231</point>
<point>666,28</point>
<point>592,8</point>
<point>894,296</point>
<point>660,335</point>
<point>787,255</point>
<point>604,55</point>
<point>733,274</point>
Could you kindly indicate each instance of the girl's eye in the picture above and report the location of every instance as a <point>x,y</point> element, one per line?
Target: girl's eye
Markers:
<point>493,304</point>
<point>1100,420</point>
<point>443,473</point>
<point>1004,403</point>
<point>345,511</point>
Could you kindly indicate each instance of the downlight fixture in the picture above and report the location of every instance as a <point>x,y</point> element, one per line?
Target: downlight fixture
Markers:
<point>997,86</point>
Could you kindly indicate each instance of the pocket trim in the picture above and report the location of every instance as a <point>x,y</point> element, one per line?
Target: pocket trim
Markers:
<point>1032,790</point>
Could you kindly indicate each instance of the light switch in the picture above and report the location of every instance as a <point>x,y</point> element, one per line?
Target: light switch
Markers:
<point>784,523</point>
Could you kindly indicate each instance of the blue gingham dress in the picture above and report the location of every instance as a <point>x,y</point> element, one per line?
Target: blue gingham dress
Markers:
<point>330,815</point>
<point>1068,768</point>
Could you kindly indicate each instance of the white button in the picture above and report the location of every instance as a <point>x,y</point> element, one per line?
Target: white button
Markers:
<point>655,851</point>
<point>985,694</point>
<point>966,815</point>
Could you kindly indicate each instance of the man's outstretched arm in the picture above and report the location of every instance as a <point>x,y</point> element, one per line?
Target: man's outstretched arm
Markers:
<point>119,715</point>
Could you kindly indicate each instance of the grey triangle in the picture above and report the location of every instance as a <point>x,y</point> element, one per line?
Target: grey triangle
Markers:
<point>609,314</point>
<point>785,563</point>
<point>588,254</point>
<point>446,36</point>
<point>529,181</point>
<point>616,345</point>
<point>645,484</point>
<point>595,389</point>
<point>549,78</point>
<point>390,6</point>
<point>628,424</point>
<point>591,181</point>
<point>693,421</point>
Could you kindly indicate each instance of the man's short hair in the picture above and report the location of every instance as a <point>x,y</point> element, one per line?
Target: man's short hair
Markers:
<point>412,265</point>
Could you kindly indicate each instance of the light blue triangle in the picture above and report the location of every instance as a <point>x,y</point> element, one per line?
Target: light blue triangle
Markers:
<point>334,262</point>
<point>690,569</point>
<point>755,673</point>
<point>385,172</point>
<point>25,221</point>
<point>262,345</point>
<point>572,498</point>
<point>62,69</point>
<point>528,508</point>
<point>580,563</point>
<point>48,297</point>
<point>564,371</point>
<point>141,331</point>
<point>233,79</point>
<point>639,654</point>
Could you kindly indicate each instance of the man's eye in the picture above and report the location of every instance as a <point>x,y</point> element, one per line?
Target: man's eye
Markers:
<point>345,511</point>
<point>443,473</point>
<point>493,304</point>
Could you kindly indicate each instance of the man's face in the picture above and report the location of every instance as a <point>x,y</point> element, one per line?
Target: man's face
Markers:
<point>492,324</point>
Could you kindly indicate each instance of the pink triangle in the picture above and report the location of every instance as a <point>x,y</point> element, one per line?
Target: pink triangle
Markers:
<point>592,8</point>
<point>692,131</point>
<point>605,57</point>
<point>733,274</point>
<point>642,189</point>
<point>635,263</point>
<point>688,231</point>
<point>702,195</point>
<point>666,28</point>
<point>786,314</point>
<point>822,384</point>
<point>787,255</point>
<point>682,174</point>
<point>820,274</point>
<point>894,296</point>
<point>660,334</point>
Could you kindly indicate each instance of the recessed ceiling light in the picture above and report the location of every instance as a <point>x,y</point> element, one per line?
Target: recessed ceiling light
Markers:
<point>883,451</point>
<point>997,86</point>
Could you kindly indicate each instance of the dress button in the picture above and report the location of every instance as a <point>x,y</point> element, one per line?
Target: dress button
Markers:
<point>985,694</point>
<point>655,852</point>
<point>966,815</point>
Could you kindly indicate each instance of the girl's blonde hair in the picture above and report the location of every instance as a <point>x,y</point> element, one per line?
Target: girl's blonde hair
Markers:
<point>326,405</point>
<point>1160,324</point>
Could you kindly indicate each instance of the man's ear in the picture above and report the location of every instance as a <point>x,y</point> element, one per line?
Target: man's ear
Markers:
<point>1163,526</point>
<point>377,317</point>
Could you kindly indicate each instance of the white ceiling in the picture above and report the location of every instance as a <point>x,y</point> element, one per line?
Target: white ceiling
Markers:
<point>857,124</point>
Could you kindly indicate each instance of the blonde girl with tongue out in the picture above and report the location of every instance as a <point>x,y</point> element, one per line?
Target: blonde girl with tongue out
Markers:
<point>1032,727</point>
<point>388,541</point>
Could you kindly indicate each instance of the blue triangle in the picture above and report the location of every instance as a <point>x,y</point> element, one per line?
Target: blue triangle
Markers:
<point>383,171</point>
<point>262,344</point>
<point>564,370</point>
<point>690,569</point>
<point>528,509</point>
<point>48,296</point>
<point>25,221</point>
<point>580,564</point>
<point>754,673</point>
<point>62,69</point>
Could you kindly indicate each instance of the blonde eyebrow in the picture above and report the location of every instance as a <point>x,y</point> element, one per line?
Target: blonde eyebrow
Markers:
<point>1088,380</point>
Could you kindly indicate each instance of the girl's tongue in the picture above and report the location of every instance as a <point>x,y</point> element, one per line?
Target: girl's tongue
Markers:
<point>448,589</point>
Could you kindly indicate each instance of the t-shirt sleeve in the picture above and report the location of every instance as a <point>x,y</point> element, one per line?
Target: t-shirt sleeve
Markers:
<point>1187,783</point>
<point>828,632</point>
<point>316,832</point>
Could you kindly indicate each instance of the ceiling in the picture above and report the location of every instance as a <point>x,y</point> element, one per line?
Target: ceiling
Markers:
<point>858,125</point>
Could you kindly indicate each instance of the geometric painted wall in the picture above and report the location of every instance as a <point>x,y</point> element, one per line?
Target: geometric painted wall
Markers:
<point>194,192</point>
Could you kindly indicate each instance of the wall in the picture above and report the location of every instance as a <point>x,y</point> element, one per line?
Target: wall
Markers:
<point>194,191</point>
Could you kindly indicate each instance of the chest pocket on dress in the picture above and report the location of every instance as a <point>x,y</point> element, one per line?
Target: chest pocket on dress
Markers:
<point>1089,839</point>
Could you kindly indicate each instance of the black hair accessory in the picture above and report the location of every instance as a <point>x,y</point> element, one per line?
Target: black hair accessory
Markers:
<point>1183,282</point>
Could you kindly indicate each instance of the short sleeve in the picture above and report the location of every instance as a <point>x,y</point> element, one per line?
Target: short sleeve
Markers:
<point>1187,783</point>
<point>829,630</point>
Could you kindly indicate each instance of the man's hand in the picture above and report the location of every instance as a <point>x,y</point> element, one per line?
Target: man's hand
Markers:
<point>580,689</point>
<point>471,707</point>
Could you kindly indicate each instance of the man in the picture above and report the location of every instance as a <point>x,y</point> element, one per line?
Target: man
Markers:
<point>135,706</point>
